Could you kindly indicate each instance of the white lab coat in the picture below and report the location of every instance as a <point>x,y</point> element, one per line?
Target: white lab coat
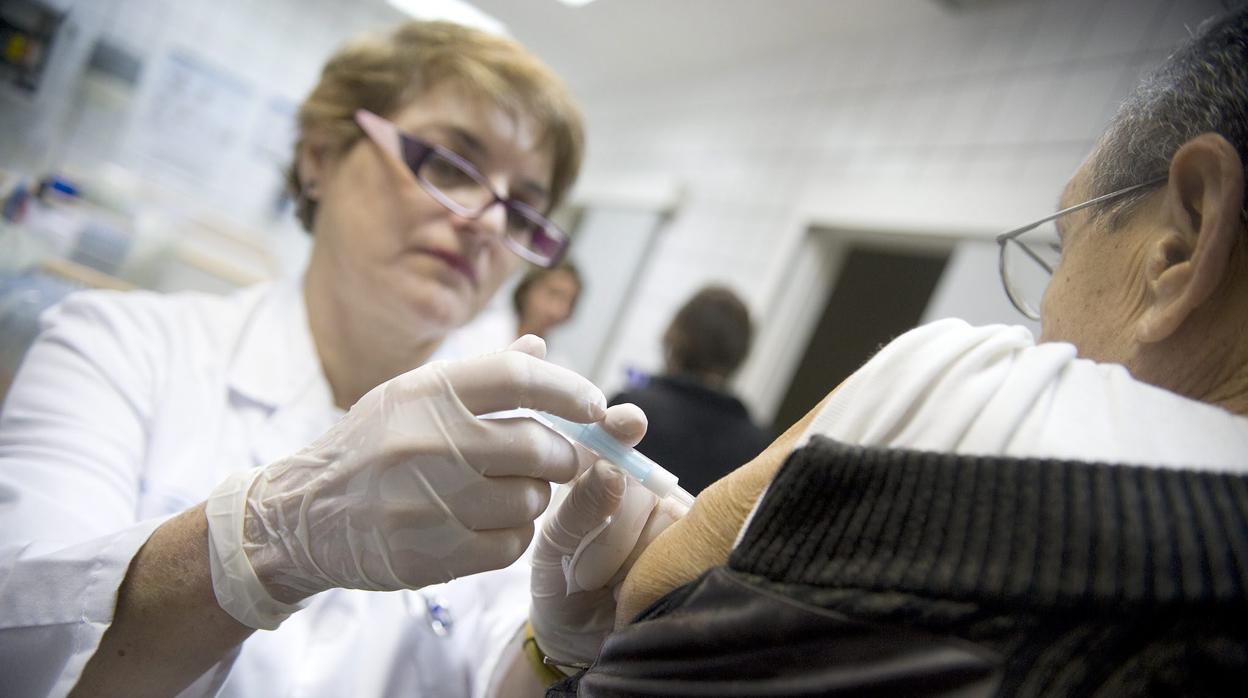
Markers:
<point>132,407</point>
<point>490,331</point>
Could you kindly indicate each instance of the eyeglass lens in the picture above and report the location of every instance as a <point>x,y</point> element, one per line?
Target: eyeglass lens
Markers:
<point>467,193</point>
<point>1026,275</point>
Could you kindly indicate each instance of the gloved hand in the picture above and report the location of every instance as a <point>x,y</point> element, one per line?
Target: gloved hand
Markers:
<point>705,538</point>
<point>596,529</point>
<point>408,489</point>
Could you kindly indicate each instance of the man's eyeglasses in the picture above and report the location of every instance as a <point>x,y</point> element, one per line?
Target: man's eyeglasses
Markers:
<point>1026,265</point>
<point>453,182</point>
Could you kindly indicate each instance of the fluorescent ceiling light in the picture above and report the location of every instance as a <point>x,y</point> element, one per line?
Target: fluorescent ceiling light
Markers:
<point>456,11</point>
<point>576,3</point>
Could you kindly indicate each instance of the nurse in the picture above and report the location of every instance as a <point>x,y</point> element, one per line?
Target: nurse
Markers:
<point>178,472</point>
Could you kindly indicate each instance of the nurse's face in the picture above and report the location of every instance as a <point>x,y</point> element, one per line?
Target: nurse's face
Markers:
<point>394,250</point>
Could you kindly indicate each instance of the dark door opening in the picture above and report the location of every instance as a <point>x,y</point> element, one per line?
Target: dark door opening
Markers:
<point>878,295</point>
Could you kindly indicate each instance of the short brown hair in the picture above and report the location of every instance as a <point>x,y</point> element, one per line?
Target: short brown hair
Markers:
<point>710,334</point>
<point>535,274</point>
<point>383,73</point>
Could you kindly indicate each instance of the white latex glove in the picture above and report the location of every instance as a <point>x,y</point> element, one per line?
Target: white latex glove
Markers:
<point>408,489</point>
<point>594,533</point>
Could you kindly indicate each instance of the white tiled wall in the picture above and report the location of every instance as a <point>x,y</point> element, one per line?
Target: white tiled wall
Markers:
<point>961,127</point>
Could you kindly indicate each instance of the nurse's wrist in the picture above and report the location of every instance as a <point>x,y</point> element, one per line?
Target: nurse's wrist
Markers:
<point>281,587</point>
<point>270,565</point>
<point>547,669</point>
<point>238,585</point>
<point>270,551</point>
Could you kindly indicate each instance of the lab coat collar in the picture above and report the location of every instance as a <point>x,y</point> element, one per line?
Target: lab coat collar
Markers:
<point>276,362</point>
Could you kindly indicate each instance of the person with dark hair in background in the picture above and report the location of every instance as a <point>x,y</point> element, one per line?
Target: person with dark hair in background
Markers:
<point>698,429</point>
<point>973,513</point>
<point>543,299</point>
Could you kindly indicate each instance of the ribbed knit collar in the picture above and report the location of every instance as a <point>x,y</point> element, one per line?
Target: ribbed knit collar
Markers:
<point>1039,532</point>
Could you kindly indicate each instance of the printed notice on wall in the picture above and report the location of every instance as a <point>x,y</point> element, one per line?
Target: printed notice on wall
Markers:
<point>273,135</point>
<point>195,115</point>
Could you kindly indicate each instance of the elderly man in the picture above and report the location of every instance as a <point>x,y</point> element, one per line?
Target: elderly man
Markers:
<point>978,514</point>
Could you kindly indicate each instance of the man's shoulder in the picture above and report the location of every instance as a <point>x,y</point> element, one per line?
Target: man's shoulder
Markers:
<point>946,355</point>
<point>951,337</point>
<point>927,387</point>
<point>952,387</point>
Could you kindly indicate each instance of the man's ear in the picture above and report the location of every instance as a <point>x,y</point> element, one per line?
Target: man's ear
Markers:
<point>1203,222</point>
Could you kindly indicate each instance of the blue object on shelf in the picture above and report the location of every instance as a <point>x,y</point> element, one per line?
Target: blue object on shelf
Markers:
<point>15,203</point>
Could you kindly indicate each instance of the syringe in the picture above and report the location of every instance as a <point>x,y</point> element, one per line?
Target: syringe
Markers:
<point>651,475</point>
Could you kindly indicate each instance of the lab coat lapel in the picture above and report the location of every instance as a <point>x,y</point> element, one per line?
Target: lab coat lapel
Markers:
<point>293,426</point>
<point>277,369</point>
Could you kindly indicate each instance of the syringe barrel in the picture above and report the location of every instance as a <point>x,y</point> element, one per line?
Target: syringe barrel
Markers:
<point>660,482</point>
<point>596,439</point>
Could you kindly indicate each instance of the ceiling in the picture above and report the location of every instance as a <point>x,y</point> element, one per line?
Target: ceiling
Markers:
<point>609,42</point>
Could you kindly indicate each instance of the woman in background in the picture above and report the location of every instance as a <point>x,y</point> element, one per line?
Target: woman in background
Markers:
<point>543,300</point>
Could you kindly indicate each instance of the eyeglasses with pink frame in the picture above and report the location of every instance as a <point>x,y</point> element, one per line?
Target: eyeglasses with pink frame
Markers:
<point>457,185</point>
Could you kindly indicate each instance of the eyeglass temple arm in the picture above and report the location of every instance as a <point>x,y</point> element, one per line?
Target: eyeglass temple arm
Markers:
<point>384,133</point>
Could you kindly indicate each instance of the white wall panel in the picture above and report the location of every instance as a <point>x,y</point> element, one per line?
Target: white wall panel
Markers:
<point>963,127</point>
<point>1083,101</point>
<point>1056,32</point>
<point>1123,26</point>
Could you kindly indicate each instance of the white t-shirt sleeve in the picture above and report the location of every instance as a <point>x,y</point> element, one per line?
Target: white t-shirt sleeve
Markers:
<point>930,389</point>
<point>954,388</point>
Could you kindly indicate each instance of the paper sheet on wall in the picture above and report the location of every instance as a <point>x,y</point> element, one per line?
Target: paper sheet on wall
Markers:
<point>195,115</point>
<point>273,135</point>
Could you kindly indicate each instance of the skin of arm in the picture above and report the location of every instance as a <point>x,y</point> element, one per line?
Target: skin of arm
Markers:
<point>704,538</point>
<point>515,678</point>
<point>163,636</point>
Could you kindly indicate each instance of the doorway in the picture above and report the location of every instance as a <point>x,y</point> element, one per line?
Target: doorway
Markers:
<point>879,293</point>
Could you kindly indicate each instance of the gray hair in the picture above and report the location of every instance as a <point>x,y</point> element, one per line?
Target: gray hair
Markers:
<point>1202,87</point>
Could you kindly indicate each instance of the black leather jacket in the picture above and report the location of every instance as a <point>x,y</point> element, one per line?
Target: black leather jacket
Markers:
<point>897,573</point>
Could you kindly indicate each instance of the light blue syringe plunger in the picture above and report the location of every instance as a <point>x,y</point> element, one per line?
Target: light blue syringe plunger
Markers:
<point>592,436</point>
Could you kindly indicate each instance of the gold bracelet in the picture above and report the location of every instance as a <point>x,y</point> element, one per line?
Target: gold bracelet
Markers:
<point>546,673</point>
